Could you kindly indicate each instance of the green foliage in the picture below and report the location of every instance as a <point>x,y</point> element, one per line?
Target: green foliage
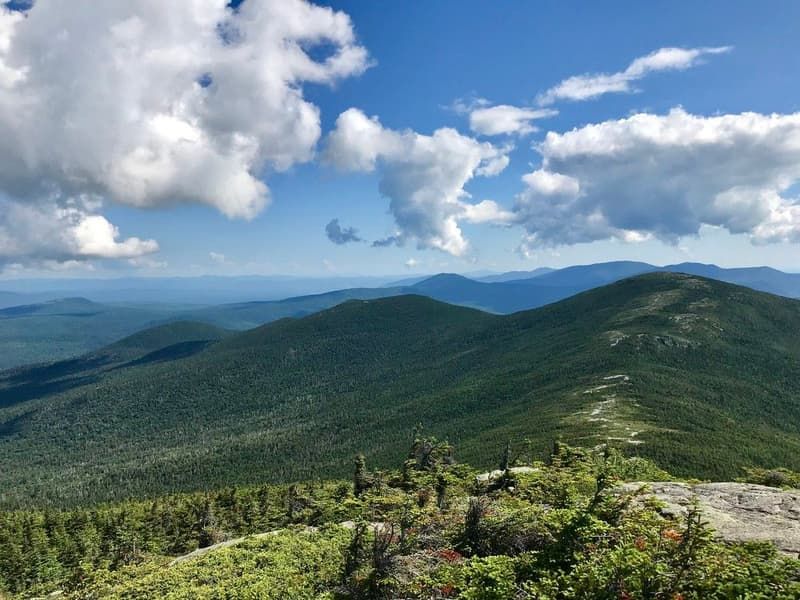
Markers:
<point>275,567</point>
<point>45,548</point>
<point>713,386</point>
<point>490,578</point>
<point>780,477</point>
<point>559,532</point>
<point>361,480</point>
<point>67,328</point>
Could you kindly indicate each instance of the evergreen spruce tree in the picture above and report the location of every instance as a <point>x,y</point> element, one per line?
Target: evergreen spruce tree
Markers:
<point>361,481</point>
<point>505,461</point>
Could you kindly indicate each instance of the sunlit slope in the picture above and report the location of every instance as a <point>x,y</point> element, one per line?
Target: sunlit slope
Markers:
<point>703,376</point>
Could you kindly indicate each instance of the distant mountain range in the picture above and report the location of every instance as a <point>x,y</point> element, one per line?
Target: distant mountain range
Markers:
<point>514,275</point>
<point>9,299</point>
<point>502,295</point>
<point>214,290</point>
<point>700,375</point>
<point>201,290</point>
<point>58,329</point>
<point>764,279</point>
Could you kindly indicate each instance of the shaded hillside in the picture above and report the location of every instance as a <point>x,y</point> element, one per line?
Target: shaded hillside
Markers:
<point>58,329</point>
<point>246,315</point>
<point>161,338</point>
<point>162,343</point>
<point>515,275</point>
<point>700,375</point>
<point>503,294</point>
<point>67,328</point>
<point>500,297</point>
<point>497,297</point>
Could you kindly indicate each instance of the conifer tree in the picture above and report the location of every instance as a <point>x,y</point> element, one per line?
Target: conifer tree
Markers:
<point>361,480</point>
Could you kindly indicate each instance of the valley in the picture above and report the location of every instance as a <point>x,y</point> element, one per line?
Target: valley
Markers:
<point>451,300</point>
<point>698,375</point>
<point>60,328</point>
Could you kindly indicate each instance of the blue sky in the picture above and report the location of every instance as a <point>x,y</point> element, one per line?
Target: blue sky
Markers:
<point>422,59</point>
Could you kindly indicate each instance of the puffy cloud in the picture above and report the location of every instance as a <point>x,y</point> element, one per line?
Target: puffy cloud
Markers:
<point>149,103</point>
<point>35,233</point>
<point>341,235</point>
<point>503,119</point>
<point>665,176</point>
<point>487,211</point>
<point>96,237</point>
<point>422,175</point>
<point>587,87</point>
<point>392,240</point>
<point>9,19</point>
<point>551,184</point>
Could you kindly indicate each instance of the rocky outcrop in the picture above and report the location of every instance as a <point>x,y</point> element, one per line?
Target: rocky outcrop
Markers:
<point>492,475</point>
<point>738,512</point>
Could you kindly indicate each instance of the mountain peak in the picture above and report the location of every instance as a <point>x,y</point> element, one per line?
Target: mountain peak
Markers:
<point>443,278</point>
<point>668,365</point>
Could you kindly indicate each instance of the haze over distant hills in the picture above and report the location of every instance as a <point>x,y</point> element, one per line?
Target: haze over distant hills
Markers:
<point>202,290</point>
<point>700,375</point>
<point>513,275</point>
<point>58,329</point>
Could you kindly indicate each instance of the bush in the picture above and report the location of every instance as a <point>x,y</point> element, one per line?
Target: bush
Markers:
<point>490,578</point>
<point>779,478</point>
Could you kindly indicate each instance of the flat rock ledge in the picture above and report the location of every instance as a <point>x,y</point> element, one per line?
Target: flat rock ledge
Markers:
<point>738,512</point>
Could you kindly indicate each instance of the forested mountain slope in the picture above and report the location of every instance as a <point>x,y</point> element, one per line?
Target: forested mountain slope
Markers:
<point>700,375</point>
<point>497,297</point>
<point>504,293</point>
<point>68,327</point>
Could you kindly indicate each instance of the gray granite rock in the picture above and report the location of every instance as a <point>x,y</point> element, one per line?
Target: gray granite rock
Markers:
<point>737,512</point>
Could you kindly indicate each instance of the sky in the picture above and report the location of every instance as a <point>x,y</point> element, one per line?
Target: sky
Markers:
<point>286,137</point>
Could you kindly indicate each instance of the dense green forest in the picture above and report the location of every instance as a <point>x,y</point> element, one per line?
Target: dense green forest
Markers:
<point>558,529</point>
<point>66,328</point>
<point>69,327</point>
<point>701,376</point>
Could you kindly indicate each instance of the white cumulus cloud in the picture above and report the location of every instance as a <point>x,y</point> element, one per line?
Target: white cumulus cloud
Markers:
<point>503,119</point>
<point>422,175</point>
<point>39,232</point>
<point>148,103</point>
<point>665,176</point>
<point>593,85</point>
